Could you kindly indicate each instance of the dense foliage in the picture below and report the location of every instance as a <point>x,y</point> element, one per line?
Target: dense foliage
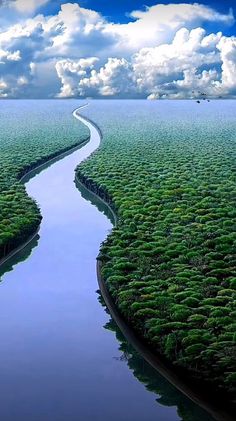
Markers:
<point>31,132</point>
<point>166,394</point>
<point>168,170</point>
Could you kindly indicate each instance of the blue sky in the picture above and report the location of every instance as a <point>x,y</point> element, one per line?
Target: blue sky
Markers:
<point>117,49</point>
<point>118,10</point>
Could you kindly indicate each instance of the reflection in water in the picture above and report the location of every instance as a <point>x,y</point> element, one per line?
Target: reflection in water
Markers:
<point>19,257</point>
<point>167,395</point>
<point>56,360</point>
<point>94,200</point>
<point>154,382</point>
<point>26,251</point>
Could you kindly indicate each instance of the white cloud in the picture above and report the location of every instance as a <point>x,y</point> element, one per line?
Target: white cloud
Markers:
<point>80,78</point>
<point>160,65</point>
<point>9,56</point>
<point>22,81</point>
<point>71,72</point>
<point>78,32</point>
<point>153,96</point>
<point>194,82</point>
<point>159,23</point>
<point>164,50</point>
<point>188,63</point>
<point>26,6</point>
<point>3,88</point>
<point>178,14</point>
<point>227,48</point>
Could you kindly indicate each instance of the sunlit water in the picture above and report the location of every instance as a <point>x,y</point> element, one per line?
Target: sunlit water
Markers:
<point>59,357</point>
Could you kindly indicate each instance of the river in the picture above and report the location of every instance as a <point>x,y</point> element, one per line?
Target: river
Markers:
<point>59,357</point>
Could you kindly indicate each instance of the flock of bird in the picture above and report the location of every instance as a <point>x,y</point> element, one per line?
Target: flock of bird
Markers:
<point>203,95</point>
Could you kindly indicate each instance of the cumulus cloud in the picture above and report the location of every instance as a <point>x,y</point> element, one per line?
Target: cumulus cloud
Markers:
<point>75,30</point>
<point>3,88</point>
<point>163,51</point>
<point>227,48</point>
<point>20,46</point>
<point>115,78</point>
<point>6,55</point>
<point>157,68</point>
<point>158,24</point>
<point>71,73</point>
<point>24,6</point>
<point>170,69</point>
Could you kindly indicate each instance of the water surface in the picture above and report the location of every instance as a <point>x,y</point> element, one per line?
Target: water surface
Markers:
<point>59,357</point>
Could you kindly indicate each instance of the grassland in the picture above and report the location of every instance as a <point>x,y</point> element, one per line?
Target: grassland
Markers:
<point>31,132</point>
<point>168,171</point>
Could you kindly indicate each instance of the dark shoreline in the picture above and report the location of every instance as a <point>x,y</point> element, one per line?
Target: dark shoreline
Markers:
<point>181,382</point>
<point>194,389</point>
<point>51,159</point>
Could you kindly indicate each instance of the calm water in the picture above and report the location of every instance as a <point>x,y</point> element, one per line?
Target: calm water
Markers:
<point>61,356</point>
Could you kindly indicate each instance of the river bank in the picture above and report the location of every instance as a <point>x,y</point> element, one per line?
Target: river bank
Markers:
<point>59,354</point>
<point>209,389</point>
<point>182,382</point>
<point>25,178</point>
<point>26,148</point>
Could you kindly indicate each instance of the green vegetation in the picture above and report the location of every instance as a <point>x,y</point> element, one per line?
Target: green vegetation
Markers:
<point>30,133</point>
<point>166,394</point>
<point>168,171</point>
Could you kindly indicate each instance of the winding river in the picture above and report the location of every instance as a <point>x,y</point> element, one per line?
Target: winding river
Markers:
<point>59,357</point>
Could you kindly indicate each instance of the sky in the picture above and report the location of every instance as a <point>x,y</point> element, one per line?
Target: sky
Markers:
<point>117,49</point>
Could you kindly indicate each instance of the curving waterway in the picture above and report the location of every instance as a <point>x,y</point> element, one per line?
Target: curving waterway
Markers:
<point>62,357</point>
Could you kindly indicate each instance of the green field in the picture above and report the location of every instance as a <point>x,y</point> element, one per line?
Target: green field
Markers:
<point>168,171</point>
<point>30,133</point>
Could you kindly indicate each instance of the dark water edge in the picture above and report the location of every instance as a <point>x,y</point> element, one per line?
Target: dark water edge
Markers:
<point>61,355</point>
<point>215,405</point>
